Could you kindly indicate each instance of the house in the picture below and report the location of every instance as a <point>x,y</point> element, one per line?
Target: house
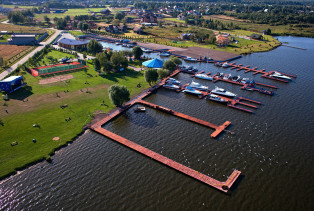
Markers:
<point>23,39</point>
<point>181,17</point>
<point>186,36</point>
<point>123,28</point>
<point>256,36</point>
<point>149,18</point>
<point>112,29</point>
<point>138,30</point>
<point>129,20</point>
<point>105,12</point>
<point>222,39</point>
<point>73,44</point>
<point>12,83</point>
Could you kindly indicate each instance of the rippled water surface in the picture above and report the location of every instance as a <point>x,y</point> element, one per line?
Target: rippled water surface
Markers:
<point>273,148</point>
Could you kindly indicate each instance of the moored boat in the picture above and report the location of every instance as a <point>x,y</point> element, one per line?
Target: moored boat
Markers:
<point>146,50</point>
<point>171,86</point>
<point>280,76</point>
<point>164,54</point>
<point>190,59</point>
<point>204,76</point>
<point>198,86</point>
<point>191,90</point>
<point>173,81</point>
<point>216,98</point>
<point>225,64</point>
<point>140,109</point>
<point>227,76</point>
<point>220,91</point>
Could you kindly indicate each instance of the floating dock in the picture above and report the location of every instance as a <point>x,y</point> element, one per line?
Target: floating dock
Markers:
<point>247,86</point>
<point>262,71</point>
<point>218,128</point>
<point>222,186</point>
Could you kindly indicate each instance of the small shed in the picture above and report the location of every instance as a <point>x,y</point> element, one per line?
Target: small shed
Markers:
<point>138,30</point>
<point>256,36</point>
<point>12,84</point>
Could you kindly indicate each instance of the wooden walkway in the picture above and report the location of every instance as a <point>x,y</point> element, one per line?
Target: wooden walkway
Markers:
<point>222,186</point>
<point>256,71</point>
<point>218,128</point>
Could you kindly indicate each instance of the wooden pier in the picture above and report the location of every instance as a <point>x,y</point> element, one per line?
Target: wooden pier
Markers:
<point>247,86</point>
<point>218,128</point>
<point>222,186</point>
<point>262,71</point>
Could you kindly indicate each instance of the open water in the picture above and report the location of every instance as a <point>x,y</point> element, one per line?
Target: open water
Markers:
<point>273,148</point>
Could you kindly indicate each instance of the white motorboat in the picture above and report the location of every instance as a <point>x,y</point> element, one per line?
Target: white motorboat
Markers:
<point>225,64</point>
<point>184,68</point>
<point>218,64</point>
<point>165,54</point>
<point>216,98</point>
<point>130,46</point>
<point>146,50</point>
<point>245,80</point>
<point>140,109</point>
<point>191,90</point>
<point>124,45</point>
<point>118,43</point>
<point>173,81</point>
<point>236,78</point>
<point>171,86</point>
<point>190,59</point>
<point>198,86</point>
<point>204,76</point>
<point>227,76</point>
<point>190,68</point>
<point>220,91</point>
<point>280,76</point>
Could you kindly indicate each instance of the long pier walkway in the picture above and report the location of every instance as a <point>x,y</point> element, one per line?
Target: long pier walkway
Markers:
<point>218,128</point>
<point>262,71</point>
<point>222,186</point>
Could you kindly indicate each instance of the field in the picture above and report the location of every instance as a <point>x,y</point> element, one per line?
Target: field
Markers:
<point>76,33</point>
<point>174,20</point>
<point>276,30</point>
<point>21,29</point>
<point>4,38</point>
<point>70,12</point>
<point>170,34</point>
<point>51,56</point>
<point>9,51</point>
<point>2,18</point>
<point>43,109</point>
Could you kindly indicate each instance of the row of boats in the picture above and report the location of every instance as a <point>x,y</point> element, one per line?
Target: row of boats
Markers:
<point>198,89</point>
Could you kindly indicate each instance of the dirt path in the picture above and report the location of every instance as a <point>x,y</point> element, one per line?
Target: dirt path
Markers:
<point>55,79</point>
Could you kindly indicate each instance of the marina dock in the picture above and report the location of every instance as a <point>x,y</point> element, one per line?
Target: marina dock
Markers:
<point>222,186</point>
<point>262,71</point>
<point>218,128</point>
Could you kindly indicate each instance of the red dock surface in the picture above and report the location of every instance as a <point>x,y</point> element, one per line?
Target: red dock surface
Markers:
<point>256,71</point>
<point>222,186</point>
<point>218,128</point>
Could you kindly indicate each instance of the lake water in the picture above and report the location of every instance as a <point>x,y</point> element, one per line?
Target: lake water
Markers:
<point>273,148</point>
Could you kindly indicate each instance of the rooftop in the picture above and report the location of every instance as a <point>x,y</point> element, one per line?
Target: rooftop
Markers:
<point>23,35</point>
<point>11,78</point>
<point>67,41</point>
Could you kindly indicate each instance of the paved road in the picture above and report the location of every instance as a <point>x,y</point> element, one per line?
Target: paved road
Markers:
<point>24,59</point>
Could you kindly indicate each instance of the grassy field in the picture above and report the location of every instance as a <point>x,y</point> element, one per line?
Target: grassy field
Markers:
<point>21,29</point>
<point>48,58</point>
<point>174,20</point>
<point>43,108</point>
<point>277,30</point>
<point>4,38</point>
<point>76,33</point>
<point>70,12</point>
<point>167,34</point>
<point>13,6</point>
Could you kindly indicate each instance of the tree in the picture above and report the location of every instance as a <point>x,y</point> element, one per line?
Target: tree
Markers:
<point>46,19</point>
<point>137,52</point>
<point>102,58</point>
<point>150,75</point>
<point>119,61</point>
<point>84,55</point>
<point>119,16</point>
<point>170,65</point>
<point>160,24</point>
<point>162,73</point>
<point>67,18</point>
<point>80,26</point>
<point>85,26</point>
<point>97,65</point>
<point>107,67</point>
<point>268,31</point>
<point>116,22</point>
<point>99,28</point>
<point>119,94</point>
<point>176,60</point>
<point>94,47</point>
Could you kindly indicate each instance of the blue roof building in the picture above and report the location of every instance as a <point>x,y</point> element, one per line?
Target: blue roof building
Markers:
<point>154,63</point>
<point>12,84</point>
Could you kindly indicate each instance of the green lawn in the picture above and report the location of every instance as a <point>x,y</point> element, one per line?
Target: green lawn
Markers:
<point>5,38</point>
<point>43,108</point>
<point>76,33</point>
<point>174,20</point>
<point>70,12</point>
